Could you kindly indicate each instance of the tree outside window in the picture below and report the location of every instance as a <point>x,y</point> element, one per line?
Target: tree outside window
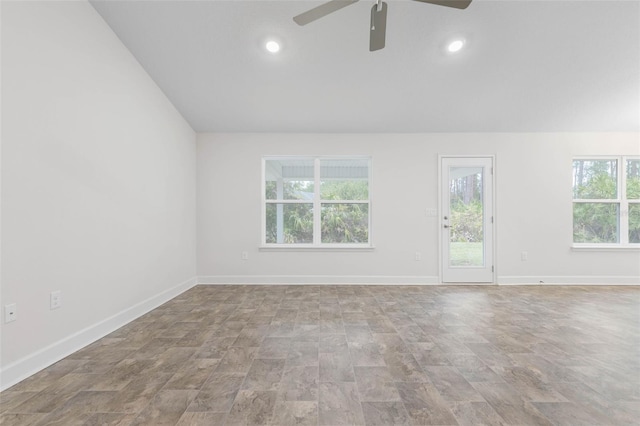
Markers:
<point>606,201</point>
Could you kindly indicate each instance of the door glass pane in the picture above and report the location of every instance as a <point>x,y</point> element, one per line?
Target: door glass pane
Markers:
<point>466,220</point>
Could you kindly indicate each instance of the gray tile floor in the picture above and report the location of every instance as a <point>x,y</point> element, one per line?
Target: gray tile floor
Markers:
<point>354,355</point>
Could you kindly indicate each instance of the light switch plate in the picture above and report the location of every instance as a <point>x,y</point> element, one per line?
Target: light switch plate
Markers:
<point>56,299</point>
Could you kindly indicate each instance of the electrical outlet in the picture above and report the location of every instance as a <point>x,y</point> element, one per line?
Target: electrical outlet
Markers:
<point>524,256</point>
<point>245,255</point>
<point>56,299</point>
<point>418,256</point>
<point>10,312</point>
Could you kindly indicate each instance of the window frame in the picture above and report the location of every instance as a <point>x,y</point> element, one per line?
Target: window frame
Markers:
<point>317,202</point>
<point>621,201</point>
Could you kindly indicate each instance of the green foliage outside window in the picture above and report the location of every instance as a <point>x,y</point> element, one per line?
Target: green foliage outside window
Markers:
<point>633,193</point>
<point>633,179</point>
<point>344,222</point>
<point>340,222</point>
<point>634,223</point>
<point>466,220</point>
<point>297,223</point>
<point>595,222</point>
<point>602,186</point>
<point>344,190</point>
<point>599,222</point>
<point>466,209</point>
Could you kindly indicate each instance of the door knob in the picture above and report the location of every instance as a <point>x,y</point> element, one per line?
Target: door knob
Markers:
<point>446,226</point>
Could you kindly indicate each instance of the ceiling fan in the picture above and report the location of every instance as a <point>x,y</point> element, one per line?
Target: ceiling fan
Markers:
<point>378,27</point>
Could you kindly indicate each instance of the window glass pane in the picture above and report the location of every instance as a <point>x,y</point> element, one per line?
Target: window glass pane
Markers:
<point>298,190</point>
<point>344,179</point>
<point>345,223</point>
<point>270,190</point>
<point>595,222</point>
<point>634,223</point>
<point>633,179</point>
<point>289,223</point>
<point>595,179</point>
<point>289,179</point>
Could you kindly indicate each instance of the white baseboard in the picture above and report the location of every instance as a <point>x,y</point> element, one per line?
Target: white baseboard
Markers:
<point>569,280</point>
<point>318,280</point>
<point>31,364</point>
<point>407,280</point>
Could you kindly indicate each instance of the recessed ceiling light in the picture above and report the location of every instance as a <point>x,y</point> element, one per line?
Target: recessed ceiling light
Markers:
<point>272,46</point>
<point>455,46</point>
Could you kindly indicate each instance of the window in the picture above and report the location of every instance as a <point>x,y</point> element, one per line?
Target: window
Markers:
<point>316,202</point>
<point>606,201</point>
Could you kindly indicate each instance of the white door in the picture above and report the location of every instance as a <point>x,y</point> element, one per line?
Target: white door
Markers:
<point>466,220</point>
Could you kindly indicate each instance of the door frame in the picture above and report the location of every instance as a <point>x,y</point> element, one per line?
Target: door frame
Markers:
<point>494,228</point>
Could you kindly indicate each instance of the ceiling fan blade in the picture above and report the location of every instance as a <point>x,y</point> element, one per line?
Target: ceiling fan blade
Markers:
<point>458,4</point>
<point>321,11</point>
<point>378,27</point>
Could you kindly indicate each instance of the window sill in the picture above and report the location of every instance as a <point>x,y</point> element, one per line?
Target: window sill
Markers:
<point>605,247</point>
<point>325,248</point>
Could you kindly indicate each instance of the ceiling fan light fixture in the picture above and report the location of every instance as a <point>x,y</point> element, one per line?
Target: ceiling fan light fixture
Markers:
<point>272,46</point>
<point>378,23</point>
<point>455,46</point>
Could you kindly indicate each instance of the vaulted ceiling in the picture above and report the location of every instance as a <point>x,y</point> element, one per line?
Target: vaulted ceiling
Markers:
<point>527,66</point>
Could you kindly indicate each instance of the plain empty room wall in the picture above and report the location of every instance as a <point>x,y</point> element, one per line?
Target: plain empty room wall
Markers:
<point>533,208</point>
<point>98,185</point>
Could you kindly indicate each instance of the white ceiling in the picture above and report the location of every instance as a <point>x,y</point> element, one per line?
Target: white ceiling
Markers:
<point>528,66</point>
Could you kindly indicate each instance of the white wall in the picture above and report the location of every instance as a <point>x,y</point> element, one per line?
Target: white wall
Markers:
<point>99,194</point>
<point>98,184</point>
<point>533,194</point>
